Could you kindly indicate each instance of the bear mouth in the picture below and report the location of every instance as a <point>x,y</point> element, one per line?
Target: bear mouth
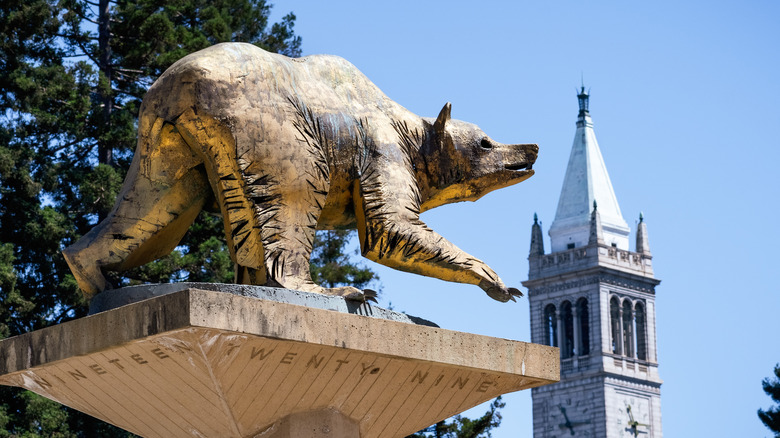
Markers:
<point>521,166</point>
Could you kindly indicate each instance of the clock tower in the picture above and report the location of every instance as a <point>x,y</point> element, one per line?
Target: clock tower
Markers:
<point>594,299</point>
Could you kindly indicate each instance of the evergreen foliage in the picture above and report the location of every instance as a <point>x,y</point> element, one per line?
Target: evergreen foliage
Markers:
<point>462,427</point>
<point>73,76</point>
<point>74,73</point>
<point>771,416</point>
<point>331,265</point>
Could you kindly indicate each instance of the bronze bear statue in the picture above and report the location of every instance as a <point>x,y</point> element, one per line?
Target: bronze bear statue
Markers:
<point>287,146</point>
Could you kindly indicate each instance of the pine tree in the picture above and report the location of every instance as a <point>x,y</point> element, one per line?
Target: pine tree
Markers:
<point>73,76</point>
<point>771,416</point>
<point>332,266</point>
<point>462,427</point>
<point>74,73</point>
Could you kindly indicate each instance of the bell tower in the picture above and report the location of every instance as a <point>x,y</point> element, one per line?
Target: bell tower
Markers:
<point>594,299</point>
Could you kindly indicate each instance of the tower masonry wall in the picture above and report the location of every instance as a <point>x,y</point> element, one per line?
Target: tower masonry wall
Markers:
<point>579,288</point>
<point>577,259</point>
<point>595,389</point>
<point>644,402</point>
<point>613,389</point>
<point>583,402</point>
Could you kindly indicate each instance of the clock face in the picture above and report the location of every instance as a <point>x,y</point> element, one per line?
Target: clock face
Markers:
<point>633,417</point>
<point>569,416</point>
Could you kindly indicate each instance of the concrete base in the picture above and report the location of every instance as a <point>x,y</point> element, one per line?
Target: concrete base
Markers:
<point>326,423</point>
<point>208,363</point>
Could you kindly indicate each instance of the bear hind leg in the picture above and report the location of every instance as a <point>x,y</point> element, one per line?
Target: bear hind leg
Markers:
<point>163,192</point>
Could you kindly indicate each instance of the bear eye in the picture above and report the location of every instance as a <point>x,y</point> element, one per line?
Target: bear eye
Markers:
<point>485,144</point>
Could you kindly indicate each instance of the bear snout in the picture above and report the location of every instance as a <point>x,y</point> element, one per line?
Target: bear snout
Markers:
<point>520,156</point>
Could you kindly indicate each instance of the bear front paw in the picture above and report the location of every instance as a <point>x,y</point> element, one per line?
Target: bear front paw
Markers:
<point>351,293</point>
<point>500,292</point>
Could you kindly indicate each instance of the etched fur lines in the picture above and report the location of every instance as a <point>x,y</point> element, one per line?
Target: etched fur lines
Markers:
<point>318,147</point>
<point>365,148</point>
<point>312,134</point>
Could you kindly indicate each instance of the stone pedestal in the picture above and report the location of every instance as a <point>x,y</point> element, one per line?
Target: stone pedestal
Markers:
<point>326,423</point>
<point>207,363</point>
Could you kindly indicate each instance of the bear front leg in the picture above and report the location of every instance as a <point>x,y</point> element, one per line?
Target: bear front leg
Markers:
<point>391,233</point>
<point>288,198</point>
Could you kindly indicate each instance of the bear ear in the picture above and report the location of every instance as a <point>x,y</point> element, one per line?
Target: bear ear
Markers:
<point>444,117</point>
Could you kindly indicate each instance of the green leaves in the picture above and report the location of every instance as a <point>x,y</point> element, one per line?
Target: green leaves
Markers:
<point>45,418</point>
<point>202,256</point>
<point>281,38</point>
<point>100,188</point>
<point>331,266</point>
<point>60,106</point>
<point>771,416</point>
<point>462,427</point>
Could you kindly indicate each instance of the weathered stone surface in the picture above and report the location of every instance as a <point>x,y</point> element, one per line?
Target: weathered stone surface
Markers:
<point>206,363</point>
<point>326,423</point>
<point>127,295</point>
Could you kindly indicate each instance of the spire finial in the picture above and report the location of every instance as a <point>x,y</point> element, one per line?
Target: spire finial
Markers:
<point>596,233</point>
<point>642,242</point>
<point>537,241</point>
<point>583,98</point>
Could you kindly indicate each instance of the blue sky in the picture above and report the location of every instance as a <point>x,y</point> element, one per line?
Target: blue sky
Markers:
<point>685,98</point>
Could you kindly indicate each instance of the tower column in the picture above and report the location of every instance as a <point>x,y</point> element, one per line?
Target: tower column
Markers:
<point>620,343</point>
<point>577,334</point>
<point>634,334</point>
<point>561,335</point>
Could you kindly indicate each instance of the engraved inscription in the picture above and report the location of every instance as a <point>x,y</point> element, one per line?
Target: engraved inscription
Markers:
<point>374,370</point>
<point>77,375</point>
<point>261,352</point>
<point>288,358</point>
<point>97,369</point>
<point>461,382</point>
<point>269,356</point>
<point>160,353</point>
<point>341,362</point>
<point>420,377</point>
<point>315,360</point>
<point>137,357</point>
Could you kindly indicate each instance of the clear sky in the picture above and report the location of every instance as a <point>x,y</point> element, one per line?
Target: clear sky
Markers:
<point>685,99</point>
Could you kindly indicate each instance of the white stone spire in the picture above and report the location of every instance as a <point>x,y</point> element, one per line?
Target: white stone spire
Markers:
<point>586,181</point>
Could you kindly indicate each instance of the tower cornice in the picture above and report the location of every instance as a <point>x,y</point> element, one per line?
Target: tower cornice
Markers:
<point>595,275</point>
<point>592,256</point>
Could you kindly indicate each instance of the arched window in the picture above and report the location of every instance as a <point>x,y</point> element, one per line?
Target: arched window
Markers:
<point>582,312</point>
<point>628,329</point>
<point>550,326</point>
<point>567,349</point>
<point>614,316</point>
<point>641,332</point>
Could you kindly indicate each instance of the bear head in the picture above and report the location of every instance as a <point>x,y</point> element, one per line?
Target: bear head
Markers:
<point>461,163</point>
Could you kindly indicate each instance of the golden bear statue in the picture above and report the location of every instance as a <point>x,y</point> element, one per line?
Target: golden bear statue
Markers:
<point>287,146</point>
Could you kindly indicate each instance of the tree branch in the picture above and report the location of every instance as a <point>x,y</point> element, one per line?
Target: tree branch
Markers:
<point>85,18</point>
<point>64,314</point>
<point>66,145</point>
<point>129,70</point>
<point>81,46</point>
